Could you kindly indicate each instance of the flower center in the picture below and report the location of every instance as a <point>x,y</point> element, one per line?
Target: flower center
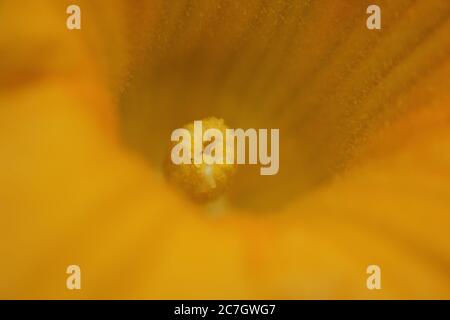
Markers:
<point>203,181</point>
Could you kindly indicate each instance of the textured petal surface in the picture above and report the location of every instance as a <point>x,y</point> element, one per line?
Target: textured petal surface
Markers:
<point>364,118</point>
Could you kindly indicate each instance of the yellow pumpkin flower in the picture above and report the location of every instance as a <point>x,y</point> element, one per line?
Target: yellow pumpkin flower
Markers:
<point>364,119</point>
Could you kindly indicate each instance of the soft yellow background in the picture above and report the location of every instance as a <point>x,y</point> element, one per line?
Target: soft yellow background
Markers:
<point>365,148</point>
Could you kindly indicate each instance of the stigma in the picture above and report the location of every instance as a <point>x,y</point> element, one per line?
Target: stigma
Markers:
<point>202,181</point>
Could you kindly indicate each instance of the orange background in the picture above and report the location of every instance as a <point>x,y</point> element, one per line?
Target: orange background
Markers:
<point>86,115</point>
